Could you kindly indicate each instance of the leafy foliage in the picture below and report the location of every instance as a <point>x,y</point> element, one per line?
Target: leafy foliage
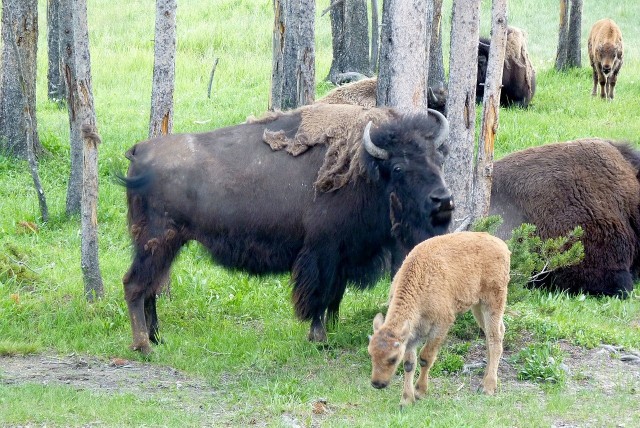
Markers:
<point>541,362</point>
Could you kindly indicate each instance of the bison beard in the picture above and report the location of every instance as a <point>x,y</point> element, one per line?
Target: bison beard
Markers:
<point>592,183</point>
<point>324,214</point>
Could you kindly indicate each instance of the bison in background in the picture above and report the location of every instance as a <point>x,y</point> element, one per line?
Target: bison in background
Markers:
<point>605,55</point>
<point>518,74</point>
<point>589,182</point>
<point>363,93</point>
<point>335,194</point>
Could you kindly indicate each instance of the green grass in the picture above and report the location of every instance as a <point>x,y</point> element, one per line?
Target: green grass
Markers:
<point>236,331</point>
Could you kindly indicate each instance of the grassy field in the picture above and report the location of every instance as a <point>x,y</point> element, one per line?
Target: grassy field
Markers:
<point>237,333</point>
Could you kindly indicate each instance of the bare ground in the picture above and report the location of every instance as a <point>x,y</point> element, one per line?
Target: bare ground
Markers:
<point>605,369</point>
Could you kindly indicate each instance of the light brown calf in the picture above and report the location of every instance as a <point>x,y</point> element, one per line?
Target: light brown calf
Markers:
<point>440,278</point>
<point>605,54</point>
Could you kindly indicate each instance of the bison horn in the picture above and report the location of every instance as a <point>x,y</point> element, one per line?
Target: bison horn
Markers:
<point>432,95</point>
<point>371,148</point>
<point>444,128</point>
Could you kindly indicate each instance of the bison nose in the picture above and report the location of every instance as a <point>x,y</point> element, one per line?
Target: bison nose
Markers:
<point>606,69</point>
<point>377,384</point>
<point>442,199</point>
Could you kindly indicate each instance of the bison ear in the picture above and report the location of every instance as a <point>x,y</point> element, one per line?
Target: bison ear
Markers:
<point>377,322</point>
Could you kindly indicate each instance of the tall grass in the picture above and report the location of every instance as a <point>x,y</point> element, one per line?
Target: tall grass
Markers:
<point>238,331</point>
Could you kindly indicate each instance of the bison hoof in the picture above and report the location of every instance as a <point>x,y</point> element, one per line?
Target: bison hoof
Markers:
<point>317,335</point>
<point>143,348</point>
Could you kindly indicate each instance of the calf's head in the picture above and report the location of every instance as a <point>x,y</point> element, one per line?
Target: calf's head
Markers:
<point>610,58</point>
<point>407,156</point>
<point>386,349</point>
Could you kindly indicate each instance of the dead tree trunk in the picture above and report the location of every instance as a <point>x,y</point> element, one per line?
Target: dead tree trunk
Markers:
<point>349,38</point>
<point>483,170</point>
<point>461,110</point>
<point>56,89</point>
<point>306,54</point>
<point>404,54</point>
<point>164,69</point>
<point>436,60</point>
<point>19,20</point>
<point>293,74</point>
<point>28,118</point>
<point>573,38</point>
<point>375,37</point>
<point>93,287</point>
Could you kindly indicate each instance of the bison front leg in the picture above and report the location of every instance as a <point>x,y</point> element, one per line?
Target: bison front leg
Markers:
<point>139,330</point>
<point>408,392</point>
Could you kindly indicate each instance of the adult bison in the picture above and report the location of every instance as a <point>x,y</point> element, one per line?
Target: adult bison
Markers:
<point>313,191</point>
<point>589,182</point>
<point>518,74</point>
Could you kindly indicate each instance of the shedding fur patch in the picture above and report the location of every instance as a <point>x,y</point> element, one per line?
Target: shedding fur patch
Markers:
<point>338,126</point>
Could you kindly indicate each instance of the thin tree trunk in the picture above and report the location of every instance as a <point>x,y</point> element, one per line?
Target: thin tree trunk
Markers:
<point>93,287</point>
<point>283,94</point>
<point>350,38</point>
<point>19,19</point>
<point>306,64</point>
<point>68,60</point>
<point>573,36</point>
<point>28,118</point>
<point>56,89</point>
<point>164,69</point>
<point>436,60</point>
<point>483,173</point>
<point>561,53</point>
<point>461,111</point>
<point>402,80</point>
<point>375,37</point>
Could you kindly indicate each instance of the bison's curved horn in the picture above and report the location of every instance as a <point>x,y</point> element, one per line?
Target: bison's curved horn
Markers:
<point>371,148</point>
<point>444,127</point>
<point>432,95</point>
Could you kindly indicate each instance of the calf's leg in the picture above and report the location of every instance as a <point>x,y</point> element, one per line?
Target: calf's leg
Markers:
<point>428,355</point>
<point>408,392</point>
<point>494,337</point>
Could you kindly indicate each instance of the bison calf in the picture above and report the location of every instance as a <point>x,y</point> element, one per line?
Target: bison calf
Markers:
<point>605,54</point>
<point>440,278</point>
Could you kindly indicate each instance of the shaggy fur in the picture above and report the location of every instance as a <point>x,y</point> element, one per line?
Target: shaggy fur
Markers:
<point>518,74</point>
<point>605,55</point>
<point>591,183</point>
<point>441,278</point>
<point>258,210</point>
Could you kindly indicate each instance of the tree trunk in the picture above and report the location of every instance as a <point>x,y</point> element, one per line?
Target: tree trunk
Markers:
<point>56,89</point>
<point>461,110</point>
<point>561,53</point>
<point>375,37</point>
<point>436,60</point>
<point>19,20</point>
<point>483,173</point>
<point>350,38</point>
<point>402,80</point>
<point>93,287</point>
<point>164,69</point>
<point>293,75</point>
<point>573,37</point>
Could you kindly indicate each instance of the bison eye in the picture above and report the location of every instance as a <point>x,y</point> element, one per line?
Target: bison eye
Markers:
<point>392,361</point>
<point>397,169</point>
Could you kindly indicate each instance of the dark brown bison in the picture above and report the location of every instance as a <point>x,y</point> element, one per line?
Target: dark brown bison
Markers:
<point>592,183</point>
<point>605,54</point>
<point>518,74</point>
<point>312,191</point>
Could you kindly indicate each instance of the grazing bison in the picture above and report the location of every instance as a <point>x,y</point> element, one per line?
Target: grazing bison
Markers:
<point>312,191</point>
<point>518,75</point>
<point>605,54</point>
<point>592,183</point>
<point>364,92</point>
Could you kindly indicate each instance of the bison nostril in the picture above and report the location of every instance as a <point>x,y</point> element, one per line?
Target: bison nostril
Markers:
<point>378,384</point>
<point>606,69</point>
<point>443,201</point>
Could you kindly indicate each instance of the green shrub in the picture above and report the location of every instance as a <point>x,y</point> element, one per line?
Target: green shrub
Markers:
<point>541,362</point>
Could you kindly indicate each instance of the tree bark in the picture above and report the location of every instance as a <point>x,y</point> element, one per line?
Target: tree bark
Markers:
<point>375,37</point>
<point>93,287</point>
<point>350,38</point>
<point>573,37</point>
<point>561,53</point>
<point>56,89</point>
<point>483,172</point>
<point>19,20</point>
<point>164,69</point>
<point>306,64</point>
<point>436,59</point>
<point>402,80</point>
<point>461,111</point>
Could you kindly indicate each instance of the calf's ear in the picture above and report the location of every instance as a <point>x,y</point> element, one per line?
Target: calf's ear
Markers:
<point>377,322</point>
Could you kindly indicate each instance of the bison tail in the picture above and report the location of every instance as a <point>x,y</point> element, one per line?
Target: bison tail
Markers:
<point>137,183</point>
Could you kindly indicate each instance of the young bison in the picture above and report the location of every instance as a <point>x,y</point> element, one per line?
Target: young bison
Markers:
<point>440,278</point>
<point>605,54</point>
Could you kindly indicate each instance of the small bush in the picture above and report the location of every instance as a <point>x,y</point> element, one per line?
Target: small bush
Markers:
<point>541,362</point>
